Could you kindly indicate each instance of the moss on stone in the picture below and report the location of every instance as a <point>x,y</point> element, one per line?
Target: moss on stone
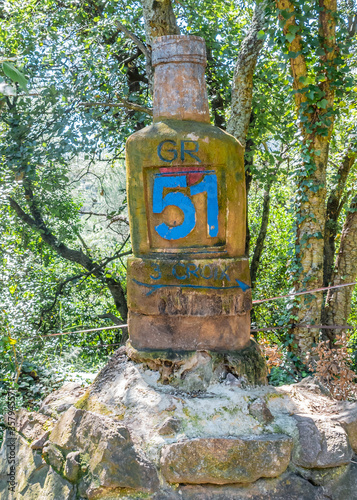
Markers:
<point>91,403</point>
<point>179,367</point>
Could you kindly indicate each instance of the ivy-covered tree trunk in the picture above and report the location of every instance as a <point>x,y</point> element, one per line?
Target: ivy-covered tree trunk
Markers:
<point>314,99</point>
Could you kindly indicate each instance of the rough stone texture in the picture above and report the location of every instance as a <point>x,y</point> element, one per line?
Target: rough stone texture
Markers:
<point>287,487</point>
<point>346,486</point>
<point>224,461</point>
<point>38,444</point>
<point>32,425</point>
<point>35,479</point>
<point>321,477</point>
<point>338,483</point>
<point>195,370</point>
<point>179,86</point>
<point>321,444</point>
<point>53,456</point>
<point>72,466</point>
<point>170,426</point>
<point>348,420</point>
<point>106,446</point>
<point>207,326</point>
<point>260,411</point>
<point>189,332</point>
<point>59,401</point>
<point>99,459</point>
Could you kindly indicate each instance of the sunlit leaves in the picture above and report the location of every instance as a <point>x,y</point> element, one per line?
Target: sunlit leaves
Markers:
<point>15,75</point>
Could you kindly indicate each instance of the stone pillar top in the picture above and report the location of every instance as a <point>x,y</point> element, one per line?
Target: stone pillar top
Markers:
<point>180,49</point>
<point>179,80</point>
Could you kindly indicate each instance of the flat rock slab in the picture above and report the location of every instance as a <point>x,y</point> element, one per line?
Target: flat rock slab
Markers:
<point>348,420</point>
<point>224,461</point>
<point>288,487</point>
<point>321,444</point>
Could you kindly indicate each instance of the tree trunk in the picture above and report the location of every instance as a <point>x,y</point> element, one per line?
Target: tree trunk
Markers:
<point>242,86</point>
<point>248,164</point>
<point>338,302</point>
<point>334,205</point>
<point>159,19</point>
<point>316,124</point>
<point>258,250</point>
<point>242,93</point>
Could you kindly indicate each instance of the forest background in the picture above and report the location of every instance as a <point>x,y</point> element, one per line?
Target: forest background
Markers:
<point>76,81</point>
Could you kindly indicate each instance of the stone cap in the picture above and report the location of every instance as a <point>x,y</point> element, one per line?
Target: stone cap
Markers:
<point>179,49</point>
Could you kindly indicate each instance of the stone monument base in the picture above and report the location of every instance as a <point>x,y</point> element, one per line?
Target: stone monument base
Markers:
<point>196,370</point>
<point>130,436</point>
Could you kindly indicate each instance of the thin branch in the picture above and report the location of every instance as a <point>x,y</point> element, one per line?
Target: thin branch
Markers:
<point>112,317</point>
<point>131,58</point>
<point>119,218</point>
<point>144,49</point>
<point>123,102</point>
<point>134,38</point>
<point>76,256</point>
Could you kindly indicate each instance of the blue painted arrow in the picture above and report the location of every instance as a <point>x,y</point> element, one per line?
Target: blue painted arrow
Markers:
<point>153,288</point>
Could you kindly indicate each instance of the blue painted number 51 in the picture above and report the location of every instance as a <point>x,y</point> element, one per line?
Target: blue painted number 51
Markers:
<point>208,185</point>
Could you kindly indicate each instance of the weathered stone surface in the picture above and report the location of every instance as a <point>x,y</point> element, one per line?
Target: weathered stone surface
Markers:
<point>189,332</point>
<point>348,420</point>
<point>321,477</point>
<point>321,443</point>
<point>38,444</point>
<point>180,90</point>
<point>32,425</point>
<point>346,486</point>
<point>224,461</point>
<point>170,426</point>
<point>193,307</point>
<point>259,410</point>
<point>53,456</point>
<point>72,466</point>
<point>35,479</point>
<point>100,455</point>
<point>248,363</point>
<point>59,401</point>
<point>107,448</point>
<point>208,299</point>
<point>287,487</point>
<point>195,370</point>
<point>338,483</point>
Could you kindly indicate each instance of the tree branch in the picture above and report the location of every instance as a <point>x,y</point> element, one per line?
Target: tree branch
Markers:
<point>77,256</point>
<point>144,49</point>
<point>123,102</point>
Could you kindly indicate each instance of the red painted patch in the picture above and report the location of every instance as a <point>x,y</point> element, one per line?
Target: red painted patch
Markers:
<point>195,175</point>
